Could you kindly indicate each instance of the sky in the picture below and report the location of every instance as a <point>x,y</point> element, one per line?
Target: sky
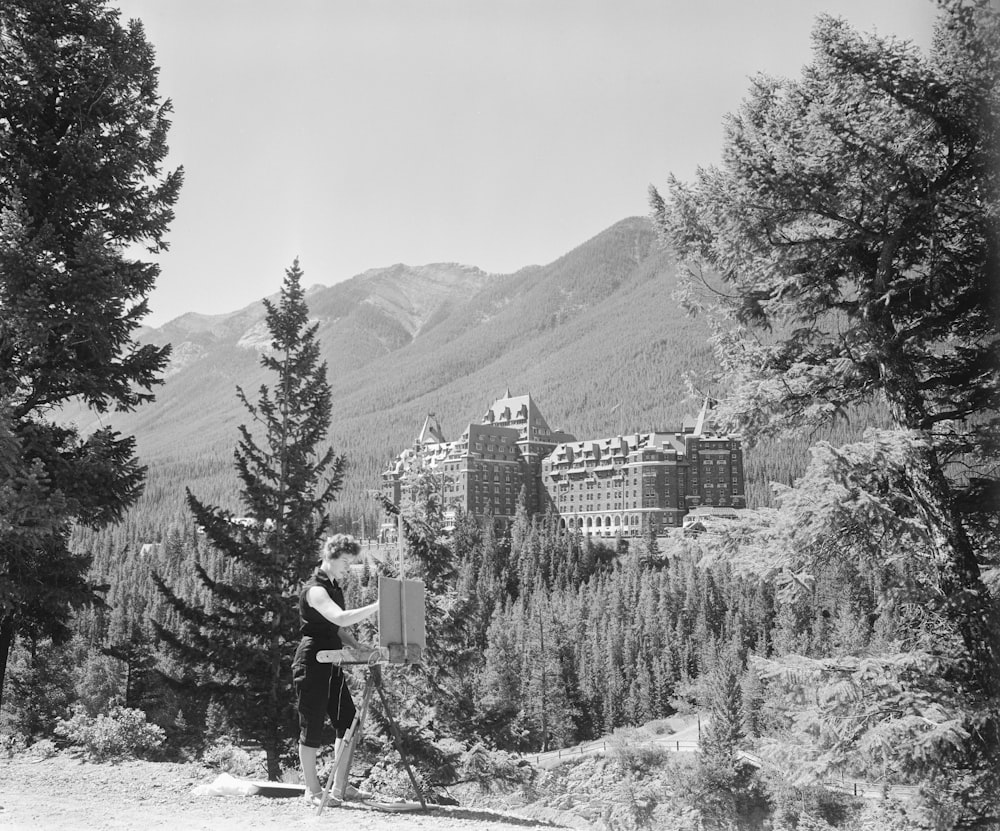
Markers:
<point>356,134</point>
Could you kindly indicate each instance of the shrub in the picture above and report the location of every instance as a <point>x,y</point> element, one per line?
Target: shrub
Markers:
<point>634,750</point>
<point>122,733</point>
<point>11,745</point>
<point>43,749</point>
<point>388,780</point>
<point>491,767</point>
<point>232,759</point>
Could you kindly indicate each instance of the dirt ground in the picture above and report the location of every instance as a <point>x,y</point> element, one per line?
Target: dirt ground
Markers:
<point>64,793</point>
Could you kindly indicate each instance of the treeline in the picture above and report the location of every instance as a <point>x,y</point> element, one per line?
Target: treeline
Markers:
<point>559,639</point>
<point>575,638</point>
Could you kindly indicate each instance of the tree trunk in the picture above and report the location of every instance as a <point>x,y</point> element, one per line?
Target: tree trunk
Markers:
<point>967,600</point>
<point>6,642</point>
<point>273,760</point>
<point>545,702</point>
<point>276,710</point>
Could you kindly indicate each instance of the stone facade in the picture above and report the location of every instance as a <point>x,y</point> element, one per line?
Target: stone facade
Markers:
<point>622,485</point>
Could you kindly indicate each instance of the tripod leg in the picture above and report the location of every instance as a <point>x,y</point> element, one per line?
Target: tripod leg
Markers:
<point>336,761</point>
<point>342,759</point>
<point>397,739</point>
<point>349,743</point>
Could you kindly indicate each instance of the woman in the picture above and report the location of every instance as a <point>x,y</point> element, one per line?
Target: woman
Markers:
<point>321,689</point>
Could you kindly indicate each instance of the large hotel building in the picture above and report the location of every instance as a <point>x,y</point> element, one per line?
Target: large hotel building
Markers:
<point>623,485</point>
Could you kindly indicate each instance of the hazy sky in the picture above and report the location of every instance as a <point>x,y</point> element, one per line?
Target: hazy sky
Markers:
<point>361,133</point>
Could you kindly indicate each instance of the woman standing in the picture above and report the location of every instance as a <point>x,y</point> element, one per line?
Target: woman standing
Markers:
<point>321,689</point>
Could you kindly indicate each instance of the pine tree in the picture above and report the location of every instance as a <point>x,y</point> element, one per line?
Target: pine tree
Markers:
<point>244,639</point>
<point>499,682</point>
<point>82,140</point>
<point>854,222</point>
<point>544,700</point>
<point>649,553</point>
<point>722,780</point>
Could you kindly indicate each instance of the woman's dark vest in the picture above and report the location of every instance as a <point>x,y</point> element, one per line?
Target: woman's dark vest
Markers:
<point>321,633</point>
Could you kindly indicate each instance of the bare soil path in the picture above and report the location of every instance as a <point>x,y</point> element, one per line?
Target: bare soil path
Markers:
<point>680,733</point>
<point>64,793</point>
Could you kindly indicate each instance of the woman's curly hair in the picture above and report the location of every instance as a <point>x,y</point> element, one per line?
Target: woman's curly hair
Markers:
<point>338,545</point>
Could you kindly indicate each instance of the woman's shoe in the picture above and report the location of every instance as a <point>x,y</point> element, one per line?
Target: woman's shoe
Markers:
<point>352,793</point>
<point>315,799</point>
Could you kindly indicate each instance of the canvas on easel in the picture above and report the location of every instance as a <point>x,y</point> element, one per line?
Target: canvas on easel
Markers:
<point>401,619</point>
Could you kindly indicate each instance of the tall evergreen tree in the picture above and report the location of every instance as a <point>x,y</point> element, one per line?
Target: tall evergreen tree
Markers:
<point>499,680</point>
<point>547,711</point>
<point>855,220</point>
<point>855,229</point>
<point>82,140</point>
<point>244,644</point>
<point>724,783</point>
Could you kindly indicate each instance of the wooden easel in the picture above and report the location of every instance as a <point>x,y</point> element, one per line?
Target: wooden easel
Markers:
<point>373,683</point>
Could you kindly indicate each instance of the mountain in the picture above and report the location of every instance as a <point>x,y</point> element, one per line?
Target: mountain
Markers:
<point>595,337</point>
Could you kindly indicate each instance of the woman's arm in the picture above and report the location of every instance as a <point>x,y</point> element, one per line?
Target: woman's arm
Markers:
<point>322,603</point>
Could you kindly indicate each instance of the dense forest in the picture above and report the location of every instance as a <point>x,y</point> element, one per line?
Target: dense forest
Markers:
<point>538,640</point>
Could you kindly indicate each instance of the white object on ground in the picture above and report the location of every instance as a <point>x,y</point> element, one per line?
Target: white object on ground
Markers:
<point>226,785</point>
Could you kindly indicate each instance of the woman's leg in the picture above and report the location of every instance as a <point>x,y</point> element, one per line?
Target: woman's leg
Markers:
<point>341,712</point>
<point>340,780</point>
<point>307,759</point>
<point>312,690</point>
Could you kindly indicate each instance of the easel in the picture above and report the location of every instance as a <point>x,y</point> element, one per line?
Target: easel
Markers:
<point>373,682</point>
<point>397,631</point>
